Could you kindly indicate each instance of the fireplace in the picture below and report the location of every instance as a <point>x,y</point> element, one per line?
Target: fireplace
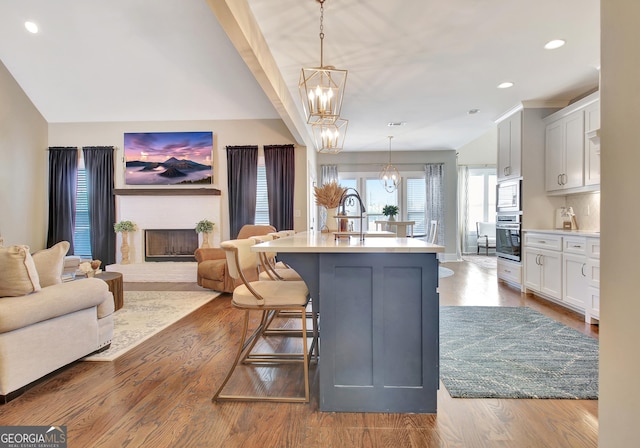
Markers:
<point>170,244</point>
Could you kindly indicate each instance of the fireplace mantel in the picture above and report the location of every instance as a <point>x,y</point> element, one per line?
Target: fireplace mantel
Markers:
<point>166,192</point>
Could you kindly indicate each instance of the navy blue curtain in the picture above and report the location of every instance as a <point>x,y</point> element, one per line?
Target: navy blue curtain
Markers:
<point>280,168</point>
<point>242,182</point>
<point>98,163</point>
<point>63,180</point>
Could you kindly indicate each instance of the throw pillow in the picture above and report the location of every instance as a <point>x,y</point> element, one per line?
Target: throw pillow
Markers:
<point>50,263</point>
<point>18,274</point>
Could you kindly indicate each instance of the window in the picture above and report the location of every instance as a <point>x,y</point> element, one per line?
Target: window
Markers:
<point>81,232</point>
<point>482,196</point>
<point>410,198</point>
<point>262,198</point>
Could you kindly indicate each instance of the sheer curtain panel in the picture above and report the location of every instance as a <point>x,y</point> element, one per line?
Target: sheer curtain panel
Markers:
<point>242,181</point>
<point>280,166</point>
<point>434,173</point>
<point>98,163</point>
<point>63,175</point>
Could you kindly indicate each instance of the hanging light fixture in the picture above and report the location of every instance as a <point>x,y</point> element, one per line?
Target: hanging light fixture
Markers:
<point>322,88</point>
<point>329,135</point>
<point>390,176</point>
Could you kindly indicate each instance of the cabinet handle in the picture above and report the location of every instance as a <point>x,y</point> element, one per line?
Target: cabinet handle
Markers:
<point>558,181</point>
<point>577,246</point>
<point>542,242</point>
<point>582,269</point>
<point>564,179</point>
<point>507,271</point>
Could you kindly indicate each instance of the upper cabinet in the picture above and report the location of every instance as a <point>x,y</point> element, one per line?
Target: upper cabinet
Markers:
<point>510,147</point>
<point>572,157</point>
<point>592,144</point>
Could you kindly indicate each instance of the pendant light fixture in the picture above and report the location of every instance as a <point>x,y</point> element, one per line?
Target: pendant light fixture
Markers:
<point>329,135</point>
<point>321,91</point>
<point>390,176</point>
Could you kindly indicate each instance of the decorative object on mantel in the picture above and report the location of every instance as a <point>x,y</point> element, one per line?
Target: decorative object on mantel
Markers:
<point>168,158</point>
<point>389,176</point>
<point>90,268</point>
<point>328,196</point>
<point>390,211</point>
<point>205,227</point>
<point>125,227</point>
<point>321,91</point>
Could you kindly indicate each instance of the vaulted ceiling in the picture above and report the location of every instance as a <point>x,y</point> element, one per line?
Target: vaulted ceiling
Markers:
<point>424,63</point>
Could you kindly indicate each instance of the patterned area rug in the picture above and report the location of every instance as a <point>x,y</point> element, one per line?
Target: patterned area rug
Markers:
<point>484,261</point>
<point>146,313</point>
<point>514,352</point>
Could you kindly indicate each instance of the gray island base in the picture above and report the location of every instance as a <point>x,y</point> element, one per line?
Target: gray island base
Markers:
<point>379,319</point>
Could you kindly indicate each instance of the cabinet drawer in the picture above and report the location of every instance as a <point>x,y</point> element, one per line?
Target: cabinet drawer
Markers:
<point>574,245</point>
<point>543,241</point>
<point>509,271</point>
<point>593,247</point>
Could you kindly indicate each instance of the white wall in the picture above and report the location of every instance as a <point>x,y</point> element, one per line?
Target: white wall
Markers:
<point>483,151</point>
<point>619,410</point>
<point>23,167</point>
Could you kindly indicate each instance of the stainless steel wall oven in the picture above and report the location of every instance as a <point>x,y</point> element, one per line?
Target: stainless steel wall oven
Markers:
<point>508,227</point>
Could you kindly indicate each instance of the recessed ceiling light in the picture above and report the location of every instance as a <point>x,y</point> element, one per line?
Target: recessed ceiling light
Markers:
<point>505,85</point>
<point>553,44</point>
<point>31,27</point>
<point>473,111</point>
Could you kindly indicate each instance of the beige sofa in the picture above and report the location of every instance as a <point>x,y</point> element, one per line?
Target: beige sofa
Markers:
<point>50,326</point>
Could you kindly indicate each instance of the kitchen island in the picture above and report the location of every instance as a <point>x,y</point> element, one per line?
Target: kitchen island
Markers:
<point>379,319</point>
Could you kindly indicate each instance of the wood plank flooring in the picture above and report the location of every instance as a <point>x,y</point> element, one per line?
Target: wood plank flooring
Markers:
<point>159,394</point>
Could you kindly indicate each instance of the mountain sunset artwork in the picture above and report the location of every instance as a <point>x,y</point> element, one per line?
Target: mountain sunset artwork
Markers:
<point>168,158</point>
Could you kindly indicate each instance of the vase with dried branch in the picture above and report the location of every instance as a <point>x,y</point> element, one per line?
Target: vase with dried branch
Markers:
<point>328,196</point>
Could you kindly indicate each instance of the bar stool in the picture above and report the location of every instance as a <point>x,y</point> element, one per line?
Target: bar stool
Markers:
<point>269,297</point>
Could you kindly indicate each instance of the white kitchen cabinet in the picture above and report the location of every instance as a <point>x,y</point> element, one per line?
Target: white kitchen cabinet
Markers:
<point>543,271</point>
<point>565,268</point>
<point>575,284</point>
<point>564,152</point>
<point>510,147</point>
<point>592,144</point>
<point>572,147</point>
<point>592,305</point>
<point>509,271</point>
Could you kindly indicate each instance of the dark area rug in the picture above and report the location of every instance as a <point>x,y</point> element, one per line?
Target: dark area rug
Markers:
<point>514,352</point>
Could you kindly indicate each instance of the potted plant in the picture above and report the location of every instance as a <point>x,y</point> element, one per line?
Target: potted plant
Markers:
<point>204,226</point>
<point>125,227</point>
<point>390,211</point>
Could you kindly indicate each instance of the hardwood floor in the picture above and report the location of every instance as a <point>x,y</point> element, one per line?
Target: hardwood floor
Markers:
<point>159,394</point>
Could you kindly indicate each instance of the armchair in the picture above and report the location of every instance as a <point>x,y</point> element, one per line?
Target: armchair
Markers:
<point>213,272</point>
<point>486,233</point>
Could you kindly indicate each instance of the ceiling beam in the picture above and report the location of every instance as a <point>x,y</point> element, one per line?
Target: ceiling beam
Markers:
<point>240,25</point>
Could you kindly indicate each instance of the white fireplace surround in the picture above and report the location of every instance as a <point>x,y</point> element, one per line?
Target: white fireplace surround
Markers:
<point>164,212</point>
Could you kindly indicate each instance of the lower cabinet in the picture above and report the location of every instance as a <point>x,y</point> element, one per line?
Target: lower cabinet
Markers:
<point>575,284</point>
<point>565,269</point>
<point>543,271</point>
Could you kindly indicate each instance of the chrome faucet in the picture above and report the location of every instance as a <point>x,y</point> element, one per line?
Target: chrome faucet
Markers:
<point>350,199</point>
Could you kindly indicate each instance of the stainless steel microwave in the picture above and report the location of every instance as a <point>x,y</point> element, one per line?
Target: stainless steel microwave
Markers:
<point>508,196</point>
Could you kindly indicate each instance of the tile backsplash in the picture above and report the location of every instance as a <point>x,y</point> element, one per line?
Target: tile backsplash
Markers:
<point>587,209</point>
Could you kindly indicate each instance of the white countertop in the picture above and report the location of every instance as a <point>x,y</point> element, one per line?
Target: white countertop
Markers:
<point>317,242</point>
<point>587,233</point>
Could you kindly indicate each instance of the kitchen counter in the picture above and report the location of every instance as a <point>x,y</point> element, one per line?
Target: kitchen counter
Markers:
<point>379,319</point>
<point>587,233</point>
<point>316,242</point>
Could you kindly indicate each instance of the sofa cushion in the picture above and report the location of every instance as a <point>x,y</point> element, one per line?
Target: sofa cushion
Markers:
<point>50,263</point>
<point>54,301</point>
<point>18,274</point>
